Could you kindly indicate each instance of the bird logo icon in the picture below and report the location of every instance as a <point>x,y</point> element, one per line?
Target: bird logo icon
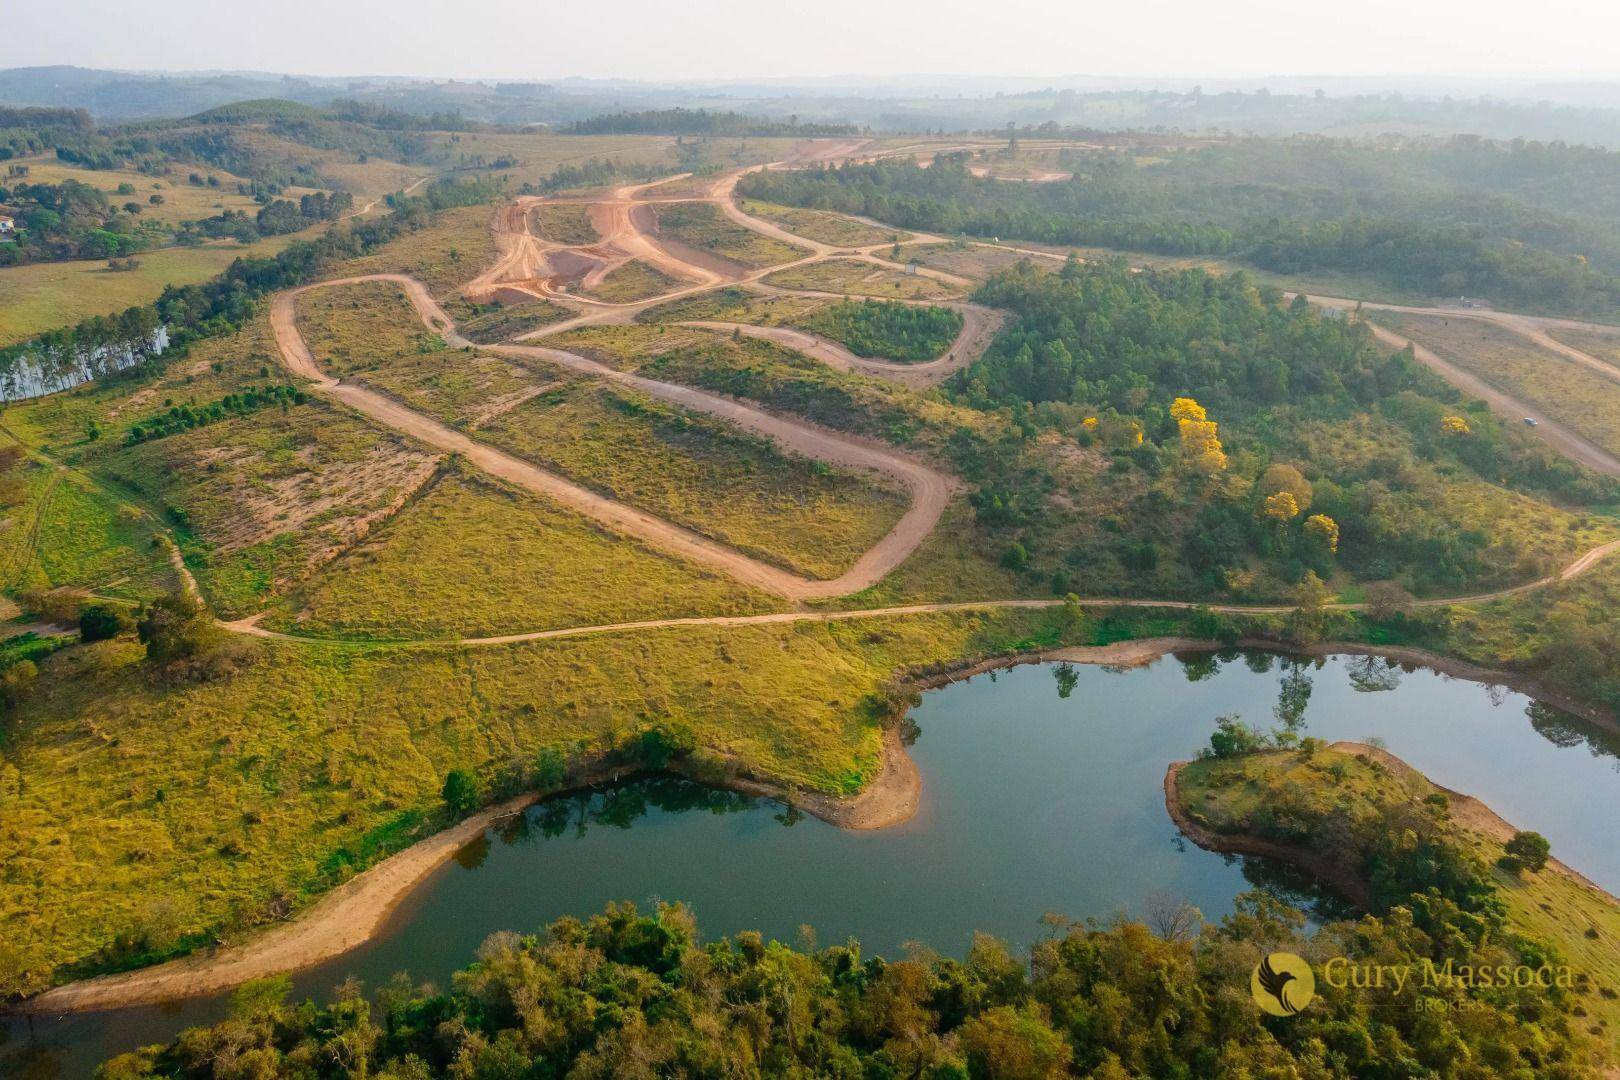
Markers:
<point>1282,984</point>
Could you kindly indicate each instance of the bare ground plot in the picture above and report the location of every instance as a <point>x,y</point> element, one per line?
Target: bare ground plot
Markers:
<point>857,277</point>
<point>1574,396</point>
<point>476,557</point>
<point>835,229</point>
<point>704,226</point>
<point>703,474</point>
<point>259,500</point>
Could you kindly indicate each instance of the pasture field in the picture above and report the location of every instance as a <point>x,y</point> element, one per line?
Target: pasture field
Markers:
<point>58,529</point>
<point>835,229</point>
<point>635,280</point>
<point>703,474</point>
<point>702,225</point>
<point>182,200</point>
<point>475,557</point>
<point>854,277</point>
<point>1573,395</point>
<point>44,296</point>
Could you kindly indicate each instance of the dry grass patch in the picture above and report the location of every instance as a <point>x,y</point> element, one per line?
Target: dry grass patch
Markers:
<point>475,557</point>
<point>822,226</point>
<point>564,223</point>
<point>258,501</point>
<point>703,474</point>
<point>855,277</point>
<point>444,255</point>
<point>635,280</point>
<point>370,332</point>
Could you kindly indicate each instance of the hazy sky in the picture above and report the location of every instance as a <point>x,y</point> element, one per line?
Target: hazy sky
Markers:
<point>700,39</point>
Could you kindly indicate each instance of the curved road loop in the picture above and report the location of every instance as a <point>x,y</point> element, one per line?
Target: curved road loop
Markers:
<point>930,490</point>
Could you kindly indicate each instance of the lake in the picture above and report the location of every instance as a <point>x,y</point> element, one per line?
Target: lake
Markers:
<point>1042,793</point>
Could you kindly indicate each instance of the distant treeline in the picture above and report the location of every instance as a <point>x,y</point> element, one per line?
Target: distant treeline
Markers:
<point>701,122</point>
<point>1527,225</point>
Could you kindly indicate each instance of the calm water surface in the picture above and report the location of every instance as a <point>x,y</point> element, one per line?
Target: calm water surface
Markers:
<point>1042,793</point>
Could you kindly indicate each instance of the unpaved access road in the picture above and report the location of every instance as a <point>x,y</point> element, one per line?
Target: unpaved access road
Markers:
<point>929,490</point>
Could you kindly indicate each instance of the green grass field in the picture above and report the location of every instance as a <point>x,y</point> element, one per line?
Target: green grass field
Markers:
<point>44,296</point>
<point>1604,346</point>
<point>1573,395</point>
<point>703,226</point>
<point>474,557</point>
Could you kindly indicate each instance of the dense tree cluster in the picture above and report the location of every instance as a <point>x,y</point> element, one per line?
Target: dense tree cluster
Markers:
<point>888,329</point>
<point>630,994</point>
<point>1211,398</point>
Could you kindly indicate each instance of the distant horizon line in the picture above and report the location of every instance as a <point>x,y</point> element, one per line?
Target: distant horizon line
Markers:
<point>1055,81</point>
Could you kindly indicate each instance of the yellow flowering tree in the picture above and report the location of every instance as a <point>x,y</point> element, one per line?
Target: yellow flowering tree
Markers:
<point>1455,425</point>
<point>1281,506</point>
<point>1323,530</point>
<point>1200,436</point>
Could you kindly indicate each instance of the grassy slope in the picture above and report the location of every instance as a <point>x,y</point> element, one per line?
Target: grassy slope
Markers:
<point>703,226</point>
<point>683,466</point>
<point>1229,796</point>
<point>1570,394</point>
<point>474,557</point>
<point>633,281</point>
<point>170,814</point>
<point>703,474</point>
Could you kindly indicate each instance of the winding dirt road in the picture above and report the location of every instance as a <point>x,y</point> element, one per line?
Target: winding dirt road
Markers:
<point>929,489</point>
